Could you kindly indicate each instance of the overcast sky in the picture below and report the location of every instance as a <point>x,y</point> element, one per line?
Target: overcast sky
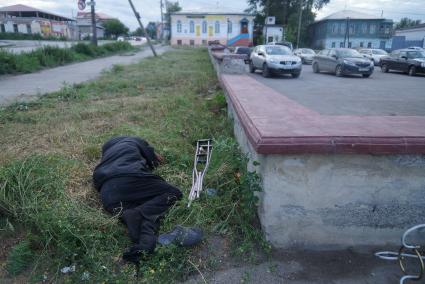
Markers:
<point>149,9</point>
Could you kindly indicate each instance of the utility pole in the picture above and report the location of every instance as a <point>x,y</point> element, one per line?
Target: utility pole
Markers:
<point>162,21</point>
<point>299,23</point>
<point>143,29</point>
<point>93,23</point>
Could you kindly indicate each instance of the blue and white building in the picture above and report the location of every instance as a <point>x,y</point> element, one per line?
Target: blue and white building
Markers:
<point>352,29</point>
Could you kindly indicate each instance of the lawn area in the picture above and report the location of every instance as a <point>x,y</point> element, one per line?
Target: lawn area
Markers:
<point>52,56</point>
<point>51,216</point>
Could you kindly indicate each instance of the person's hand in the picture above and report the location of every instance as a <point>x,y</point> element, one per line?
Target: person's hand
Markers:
<point>160,158</point>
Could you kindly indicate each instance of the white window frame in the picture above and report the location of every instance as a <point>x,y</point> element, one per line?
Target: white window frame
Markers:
<point>192,27</point>
<point>179,26</point>
<point>217,27</point>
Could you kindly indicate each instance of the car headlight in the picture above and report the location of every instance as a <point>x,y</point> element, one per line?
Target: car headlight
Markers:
<point>348,62</point>
<point>372,64</point>
<point>423,64</point>
<point>273,61</point>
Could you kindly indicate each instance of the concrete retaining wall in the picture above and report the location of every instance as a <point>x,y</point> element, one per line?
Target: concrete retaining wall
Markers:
<point>335,201</point>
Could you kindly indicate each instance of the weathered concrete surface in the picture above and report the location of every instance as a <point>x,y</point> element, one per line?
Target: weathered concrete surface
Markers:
<point>336,201</point>
<point>22,87</point>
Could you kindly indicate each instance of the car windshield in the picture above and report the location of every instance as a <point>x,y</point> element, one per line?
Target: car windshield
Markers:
<point>278,50</point>
<point>348,53</point>
<point>308,51</point>
<point>416,54</point>
<point>379,52</point>
<point>243,50</point>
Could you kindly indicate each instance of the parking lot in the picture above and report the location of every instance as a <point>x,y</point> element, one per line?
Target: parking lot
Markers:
<point>383,94</point>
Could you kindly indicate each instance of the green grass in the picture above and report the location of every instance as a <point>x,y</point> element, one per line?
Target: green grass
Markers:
<point>51,56</point>
<point>50,148</point>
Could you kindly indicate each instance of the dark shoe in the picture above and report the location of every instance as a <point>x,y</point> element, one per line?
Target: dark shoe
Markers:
<point>147,244</point>
<point>182,236</point>
<point>132,219</point>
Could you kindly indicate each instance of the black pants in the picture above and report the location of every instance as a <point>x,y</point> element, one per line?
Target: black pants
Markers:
<point>141,202</point>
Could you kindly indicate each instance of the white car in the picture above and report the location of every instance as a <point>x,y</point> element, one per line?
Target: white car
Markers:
<point>306,55</point>
<point>373,54</point>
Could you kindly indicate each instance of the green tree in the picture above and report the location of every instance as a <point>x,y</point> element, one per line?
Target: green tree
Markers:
<point>170,7</point>
<point>115,27</point>
<point>286,13</point>
<point>407,23</point>
<point>138,32</point>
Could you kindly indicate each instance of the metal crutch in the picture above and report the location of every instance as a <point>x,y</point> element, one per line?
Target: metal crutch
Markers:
<point>200,166</point>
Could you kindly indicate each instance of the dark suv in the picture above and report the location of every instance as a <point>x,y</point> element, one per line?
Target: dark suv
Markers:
<point>406,60</point>
<point>342,61</point>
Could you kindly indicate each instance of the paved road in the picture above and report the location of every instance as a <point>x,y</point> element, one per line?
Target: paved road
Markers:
<point>381,94</point>
<point>19,87</point>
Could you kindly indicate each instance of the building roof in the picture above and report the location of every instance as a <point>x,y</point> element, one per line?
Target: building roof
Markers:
<point>344,14</point>
<point>212,13</point>
<point>24,8</point>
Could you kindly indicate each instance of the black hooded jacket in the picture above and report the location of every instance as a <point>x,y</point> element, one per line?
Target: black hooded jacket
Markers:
<point>125,157</point>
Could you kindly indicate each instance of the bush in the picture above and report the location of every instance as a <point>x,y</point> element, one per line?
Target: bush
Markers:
<point>51,56</point>
<point>86,49</point>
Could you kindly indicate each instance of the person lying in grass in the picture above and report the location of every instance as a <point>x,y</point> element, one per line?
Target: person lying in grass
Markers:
<point>128,188</point>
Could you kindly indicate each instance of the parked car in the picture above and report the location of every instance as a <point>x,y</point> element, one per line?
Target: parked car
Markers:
<point>373,54</point>
<point>306,55</point>
<point>245,51</point>
<point>410,61</point>
<point>275,59</point>
<point>342,61</point>
<point>415,48</point>
<point>283,43</point>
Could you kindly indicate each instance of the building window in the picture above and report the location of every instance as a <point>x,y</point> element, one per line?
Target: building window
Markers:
<point>369,45</point>
<point>364,28</point>
<point>179,42</point>
<point>2,28</point>
<point>349,44</point>
<point>192,42</point>
<point>387,29</point>
<point>351,29</point>
<point>361,44</point>
<point>333,44</point>
<point>334,28</point>
<point>15,28</point>
<point>341,44</point>
<point>229,27</point>
<point>179,26</point>
<point>192,27</point>
<point>372,29</point>
<point>204,42</point>
<point>29,29</point>
<point>204,27</point>
<point>217,27</point>
<point>343,28</point>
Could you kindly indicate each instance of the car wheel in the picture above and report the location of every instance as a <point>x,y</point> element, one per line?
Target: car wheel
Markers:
<point>366,75</point>
<point>316,67</point>
<point>251,67</point>
<point>266,71</point>
<point>384,68</point>
<point>296,75</point>
<point>412,71</point>
<point>338,71</point>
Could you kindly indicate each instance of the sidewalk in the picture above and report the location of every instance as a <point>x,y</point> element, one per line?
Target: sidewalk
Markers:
<point>13,88</point>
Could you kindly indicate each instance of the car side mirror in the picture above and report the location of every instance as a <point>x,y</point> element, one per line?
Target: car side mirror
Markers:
<point>260,54</point>
<point>334,56</point>
<point>404,57</point>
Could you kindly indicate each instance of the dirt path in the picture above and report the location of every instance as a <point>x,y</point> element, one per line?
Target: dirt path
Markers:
<point>16,88</point>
